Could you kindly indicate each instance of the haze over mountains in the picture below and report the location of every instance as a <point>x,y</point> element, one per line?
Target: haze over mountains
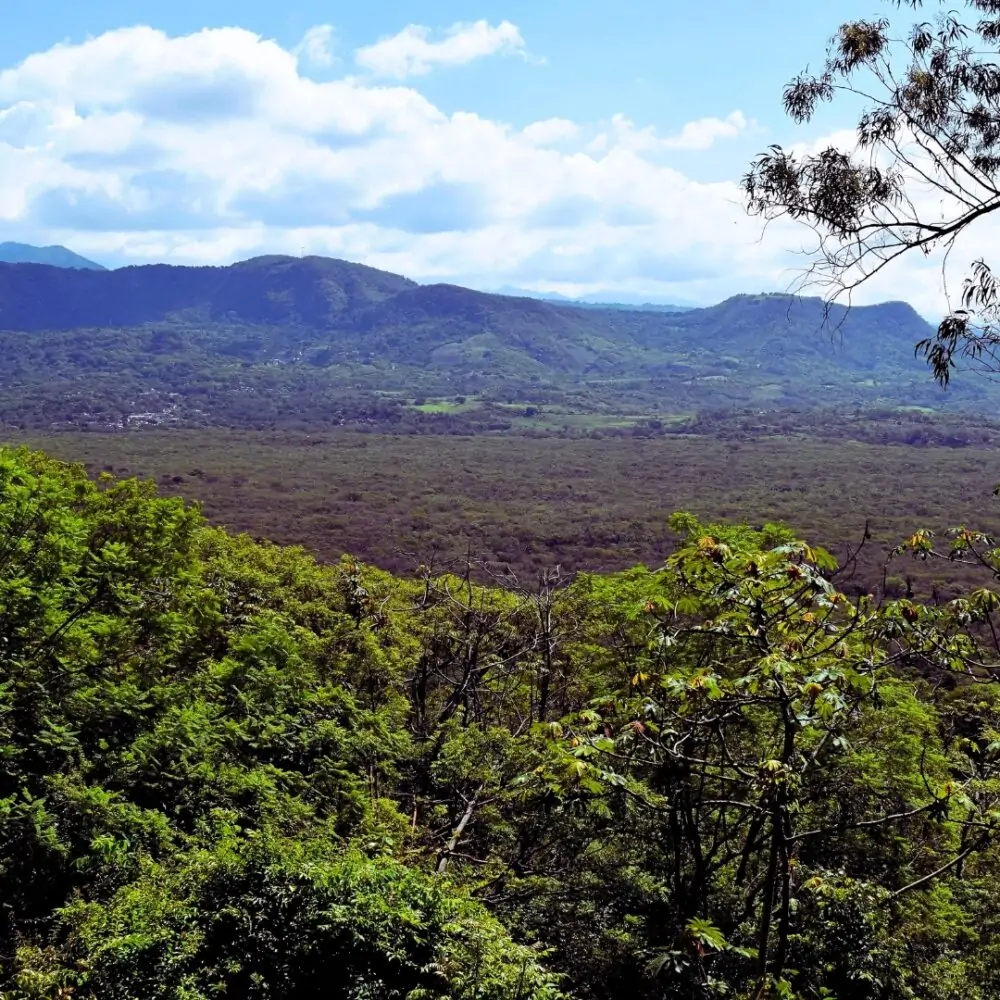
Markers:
<point>339,324</point>
<point>606,300</point>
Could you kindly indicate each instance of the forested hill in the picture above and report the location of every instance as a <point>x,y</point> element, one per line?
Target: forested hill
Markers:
<point>313,292</point>
<point>365,307</point>
<point>329,325</point>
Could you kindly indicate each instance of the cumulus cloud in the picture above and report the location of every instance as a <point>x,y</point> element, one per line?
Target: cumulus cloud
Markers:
<point>136,146</point>
<point>411,52</point>
<point>697,135</point>
<point>550,131</point>
<point>316,47</point>
<point>701,134</point>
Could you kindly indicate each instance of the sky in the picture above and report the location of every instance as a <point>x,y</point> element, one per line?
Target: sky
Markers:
<point>571,146</point>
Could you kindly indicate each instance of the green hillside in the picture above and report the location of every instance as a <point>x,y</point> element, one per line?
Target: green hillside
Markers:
<point>328,341</point>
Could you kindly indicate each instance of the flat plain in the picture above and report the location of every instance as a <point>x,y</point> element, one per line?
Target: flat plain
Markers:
<point>587,504</point>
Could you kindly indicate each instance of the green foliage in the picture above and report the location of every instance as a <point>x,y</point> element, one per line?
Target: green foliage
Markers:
<point>264,920</point>
<point>227,770</point>
<point>196,738</point>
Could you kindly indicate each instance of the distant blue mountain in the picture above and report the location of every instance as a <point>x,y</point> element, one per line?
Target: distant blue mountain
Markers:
<point>55,256</point>
<point>637,306</point>
<point>598,300</point>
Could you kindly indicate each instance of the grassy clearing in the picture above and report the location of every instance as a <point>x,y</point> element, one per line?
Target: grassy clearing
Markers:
<point>446,406</point>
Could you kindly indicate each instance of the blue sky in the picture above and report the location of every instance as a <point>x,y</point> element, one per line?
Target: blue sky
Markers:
<point>661,62</point>
<point>566,145</point>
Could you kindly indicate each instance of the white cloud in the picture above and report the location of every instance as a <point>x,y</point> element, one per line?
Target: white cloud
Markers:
<point>550,131</point>
<point>696,135</point>
<point>316,47</point>
<point>136,146</point>
<point>701,134</point>
<point>412,53</point>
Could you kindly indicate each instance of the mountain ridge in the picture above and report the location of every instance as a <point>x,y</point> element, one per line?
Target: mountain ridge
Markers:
<point>330,328</point>
<point>352,285</point>
<point>53,256</point>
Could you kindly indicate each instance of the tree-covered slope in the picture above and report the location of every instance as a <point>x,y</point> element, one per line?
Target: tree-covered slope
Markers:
<point>245,344</point>
<point>227,771</point>
<point>352,311</point>
<point>311,292</point>
<point>199,737</point>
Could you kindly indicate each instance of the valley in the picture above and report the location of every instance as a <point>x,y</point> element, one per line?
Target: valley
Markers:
<point>533,501</point>
<point>543,602</point>
<point>322,403</point>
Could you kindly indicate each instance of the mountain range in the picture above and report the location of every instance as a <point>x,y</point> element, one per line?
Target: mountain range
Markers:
<point>336,326</point>
<point>54,256</point>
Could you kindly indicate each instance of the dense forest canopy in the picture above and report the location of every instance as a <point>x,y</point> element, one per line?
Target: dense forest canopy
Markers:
<point>228,770</point>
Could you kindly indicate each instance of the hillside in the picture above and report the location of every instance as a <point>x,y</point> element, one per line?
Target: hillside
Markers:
<point>326,341</point>
<point>309,292</point>
<point>54,256</point>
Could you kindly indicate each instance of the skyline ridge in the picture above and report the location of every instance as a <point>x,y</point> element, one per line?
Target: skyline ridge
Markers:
<point>626,303</point>
<point>483,147</point>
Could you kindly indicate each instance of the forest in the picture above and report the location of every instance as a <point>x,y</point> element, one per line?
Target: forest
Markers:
<point>583,500</point>
<point>233,771</point>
